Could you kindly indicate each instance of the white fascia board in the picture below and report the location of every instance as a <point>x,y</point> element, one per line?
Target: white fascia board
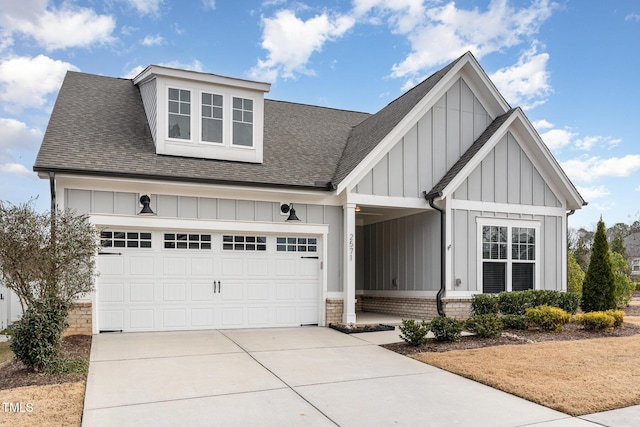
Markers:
<point>389,202</point>
<point>507,208</point>
<point>387,143</point>
<point>571,193</point>
<point>466,68</point>
<point>142,186</point>
<point>158,70</point>
<point>155,223</point>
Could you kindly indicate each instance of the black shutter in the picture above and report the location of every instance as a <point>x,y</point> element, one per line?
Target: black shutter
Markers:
<point>494,277</point>
<point>521,276</point>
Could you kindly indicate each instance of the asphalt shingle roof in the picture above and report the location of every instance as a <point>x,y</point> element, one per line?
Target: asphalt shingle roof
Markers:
<point>99,127</point>
<point>436,191</point>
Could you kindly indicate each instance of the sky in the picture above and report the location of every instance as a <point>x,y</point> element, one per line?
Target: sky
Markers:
<point>572,65</point>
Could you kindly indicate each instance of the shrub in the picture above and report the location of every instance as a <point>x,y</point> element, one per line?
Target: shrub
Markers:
<point>622,284</point>
<point>514,321</point>
<point>595,320</point>
<point>569,301</point>
<point>514,302</point>
<point>637,286</point>
<point>413,332</point>
<point>548,319</point>
<point>598,290</point>
<point>618,316</point>
<point>575,275</point>
<point>484,304</point>
<point>485,325</point>
<point>38,334</point>
<point>446,328</point>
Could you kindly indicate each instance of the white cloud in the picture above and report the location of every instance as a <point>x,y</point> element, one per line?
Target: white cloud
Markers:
<point>17,169</point>
<point>402,15</point>
<point>150,40</point>
<point>209,4</point>
<point>589,169</point>
<point>290,42</point>
<point>56,28</point>
<point>588,142</point>
<point>25,82</point>
<point>447,32</point>
<point>557,138</point>
<point>16,135</point>
<point>193,66</point>
<point>542,124</point>
<point>146,7</point>
<point>591,193</point>
<point>134,72</point>
<point>526,82</point>
<point>632,17</point>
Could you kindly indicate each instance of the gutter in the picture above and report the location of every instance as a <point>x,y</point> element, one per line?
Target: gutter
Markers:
<point>52,187</point>
<point>430,198</point>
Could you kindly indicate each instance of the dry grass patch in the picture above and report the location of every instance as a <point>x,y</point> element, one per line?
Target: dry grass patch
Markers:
<point>574,377</point>
<point>53,405</point>
<point>632,319</point>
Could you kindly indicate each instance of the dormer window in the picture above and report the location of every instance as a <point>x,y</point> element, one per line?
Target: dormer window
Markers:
<point>206,116</point>
<point>243,122</point>
<point>212,117</point>
<point>179,114</point>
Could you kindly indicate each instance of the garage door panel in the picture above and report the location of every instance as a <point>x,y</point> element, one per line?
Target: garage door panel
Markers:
<point>141,292</point>
<point>202,317</point>
<point>174,292</point>
<point>111,265</point>
<point>257,291</point>
<point>173,266</point>
<point>285,267</point>
<point>111,292</point>
<point>161,288</point>
<point>174,318</point>
<point>141,265</point>
<point>141,318</point>
<point>202,266</point>
<point>202,292</point>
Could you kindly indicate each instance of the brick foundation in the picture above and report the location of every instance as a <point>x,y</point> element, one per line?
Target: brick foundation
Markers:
<point>79,320</point>
<point>416,308</point>
<point>334,309</point>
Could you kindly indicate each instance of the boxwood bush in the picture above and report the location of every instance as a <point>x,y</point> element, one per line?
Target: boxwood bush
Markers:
<point>514,321</point>
<point>484,304</point>
<point>485,325</point>
<point>414,332</point>
<point>618,316</point>
<point>516,303</point>
<point>548,319</point>
<point>595,320</point>
<point>446,328</point>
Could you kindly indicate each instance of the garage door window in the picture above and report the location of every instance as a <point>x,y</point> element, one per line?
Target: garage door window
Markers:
<point>125,239</point>
<point>187,241</point>
<point>244,243</point>
<point>296,244</point>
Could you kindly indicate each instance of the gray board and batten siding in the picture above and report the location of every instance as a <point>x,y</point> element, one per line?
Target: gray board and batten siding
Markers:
<point>430,148</point>
<point>170,206</point>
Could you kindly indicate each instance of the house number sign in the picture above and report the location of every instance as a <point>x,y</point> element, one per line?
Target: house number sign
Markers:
<point>351,247</point>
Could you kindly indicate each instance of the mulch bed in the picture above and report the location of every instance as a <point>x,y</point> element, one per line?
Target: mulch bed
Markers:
<point>356,329</point>
<point>571,331</point>
<point>14,374</point>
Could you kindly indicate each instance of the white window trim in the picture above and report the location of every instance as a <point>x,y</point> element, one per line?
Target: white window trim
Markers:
<point>224,117</point>
<point>191,128</point>
<point>253,123</point>
<point>510,224</point>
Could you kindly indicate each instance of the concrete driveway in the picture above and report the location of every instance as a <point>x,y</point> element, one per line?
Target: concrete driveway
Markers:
<point>285,377</point>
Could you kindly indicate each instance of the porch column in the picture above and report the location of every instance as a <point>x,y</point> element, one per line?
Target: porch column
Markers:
<point>349,270</point>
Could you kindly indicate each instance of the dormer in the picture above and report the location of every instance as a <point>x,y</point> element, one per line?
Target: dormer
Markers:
<point>194,114</point>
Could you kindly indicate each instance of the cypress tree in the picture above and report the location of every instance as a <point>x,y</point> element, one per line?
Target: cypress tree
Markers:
<point>598,291</point>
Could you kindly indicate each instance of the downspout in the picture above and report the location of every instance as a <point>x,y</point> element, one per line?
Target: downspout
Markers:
<point>566,261</point>
<point>442,255</point>
<point>52,187</point>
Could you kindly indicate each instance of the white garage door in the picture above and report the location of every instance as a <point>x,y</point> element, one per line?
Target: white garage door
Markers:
<point>167,280</point>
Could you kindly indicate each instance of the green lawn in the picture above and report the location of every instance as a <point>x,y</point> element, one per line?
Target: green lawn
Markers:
<point>5,352</point>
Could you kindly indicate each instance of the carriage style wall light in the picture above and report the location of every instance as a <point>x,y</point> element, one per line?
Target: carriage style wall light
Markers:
<point>292,212</point>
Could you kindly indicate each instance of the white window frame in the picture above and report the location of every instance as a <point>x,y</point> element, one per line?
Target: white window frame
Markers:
<point>225,115</point>
<point>191,115</point>
<point>510,224</point>
<point>232,121</point>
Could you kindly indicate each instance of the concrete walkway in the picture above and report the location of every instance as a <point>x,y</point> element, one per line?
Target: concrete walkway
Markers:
<point>293,376</point>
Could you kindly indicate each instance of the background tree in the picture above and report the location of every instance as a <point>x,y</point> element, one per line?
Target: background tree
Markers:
<point>582,254</point>
<point>575,274</point>
<point>598,290</point>
<point>617,245</point>
<point>48,261</point>
<point>623,285</point>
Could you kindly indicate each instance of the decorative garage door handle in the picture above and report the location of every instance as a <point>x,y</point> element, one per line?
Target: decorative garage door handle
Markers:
<point>109,253</point>
<point>219,284</point>
<point>309,257</point>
